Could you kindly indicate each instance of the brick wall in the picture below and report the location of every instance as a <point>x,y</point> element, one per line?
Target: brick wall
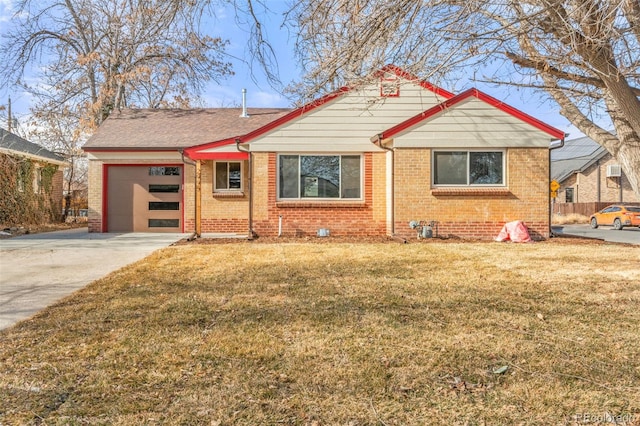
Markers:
<point>473,213</point>
<point>300,218</point>
<point>585,185</point>
<point>94,197</point>
<point>221,212</point>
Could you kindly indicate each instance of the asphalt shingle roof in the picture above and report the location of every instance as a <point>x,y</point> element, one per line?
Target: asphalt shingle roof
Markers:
<point>12,142</point>
<point>153,129</point>
<point>575,155</point>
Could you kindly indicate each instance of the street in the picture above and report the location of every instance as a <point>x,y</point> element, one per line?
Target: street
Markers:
<point>606,233</point>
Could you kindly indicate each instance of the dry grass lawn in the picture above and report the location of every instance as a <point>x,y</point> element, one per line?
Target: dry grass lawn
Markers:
<point>338,334</point>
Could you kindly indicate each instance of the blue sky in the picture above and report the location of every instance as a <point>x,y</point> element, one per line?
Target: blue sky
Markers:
<point>260,94</point>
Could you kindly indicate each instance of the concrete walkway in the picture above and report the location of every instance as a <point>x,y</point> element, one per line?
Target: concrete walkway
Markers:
<point>39,269</point>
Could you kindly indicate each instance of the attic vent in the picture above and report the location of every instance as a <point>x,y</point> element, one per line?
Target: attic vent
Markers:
<point>389,88</point>
<point>614,170</point>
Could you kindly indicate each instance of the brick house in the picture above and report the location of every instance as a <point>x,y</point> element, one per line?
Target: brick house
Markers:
<point>588,173</point>
<point>363,160</point>
<point>31,182</point>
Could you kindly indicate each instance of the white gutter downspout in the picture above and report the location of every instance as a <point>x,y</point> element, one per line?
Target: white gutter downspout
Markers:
<point>249,187</point>
<point>377,140</point>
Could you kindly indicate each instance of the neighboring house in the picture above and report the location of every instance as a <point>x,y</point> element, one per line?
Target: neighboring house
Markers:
<point>588,173</point>
<point>31,179</point>
<point>364,160</point>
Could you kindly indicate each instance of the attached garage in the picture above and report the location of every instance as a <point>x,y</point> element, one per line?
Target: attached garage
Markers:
<point>144,198</point>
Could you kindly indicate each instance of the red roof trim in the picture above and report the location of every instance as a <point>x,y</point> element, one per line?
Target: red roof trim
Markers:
<point>220,155</point>
<point>308,107</point>
<point>393,131</point>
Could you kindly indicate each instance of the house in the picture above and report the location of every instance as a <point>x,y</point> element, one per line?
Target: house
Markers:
<point>31,182</point>
<point>588,173</point>
<point>363,160</point>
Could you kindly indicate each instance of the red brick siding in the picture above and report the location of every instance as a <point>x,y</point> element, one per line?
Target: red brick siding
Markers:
<point>475,214</point>
<point>301,218</point>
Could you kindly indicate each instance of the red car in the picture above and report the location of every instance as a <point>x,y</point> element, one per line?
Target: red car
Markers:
<point>617,215</point>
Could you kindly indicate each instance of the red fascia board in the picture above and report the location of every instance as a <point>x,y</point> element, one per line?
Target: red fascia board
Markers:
<point>195,150</point>
<point>414,78</point>
<point>220,155</point>
<point>391,132</point>
<point>129,150</point>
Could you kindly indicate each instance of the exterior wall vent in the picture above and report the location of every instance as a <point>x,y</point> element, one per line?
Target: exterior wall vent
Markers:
<point>614,170</point>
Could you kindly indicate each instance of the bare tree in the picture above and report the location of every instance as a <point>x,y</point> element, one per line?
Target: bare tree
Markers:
<point>58,132</point>
<point>99,55</point>
<point>583,54</point>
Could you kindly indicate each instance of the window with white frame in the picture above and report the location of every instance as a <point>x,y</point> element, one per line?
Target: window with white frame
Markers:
<point>227,176</point>
<point>320,177</point>
<point>469,168</point>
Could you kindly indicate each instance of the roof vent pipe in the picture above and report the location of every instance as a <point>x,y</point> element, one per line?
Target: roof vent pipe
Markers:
<point>244,104</point>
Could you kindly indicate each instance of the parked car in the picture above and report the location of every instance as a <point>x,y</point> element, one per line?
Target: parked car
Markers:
<point>617,215</point>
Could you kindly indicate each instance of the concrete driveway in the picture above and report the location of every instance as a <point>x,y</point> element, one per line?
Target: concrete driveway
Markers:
<point>606,233</point>
<point>39,269</point>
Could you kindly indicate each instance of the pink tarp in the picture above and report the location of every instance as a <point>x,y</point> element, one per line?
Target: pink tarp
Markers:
<point>515,231</point>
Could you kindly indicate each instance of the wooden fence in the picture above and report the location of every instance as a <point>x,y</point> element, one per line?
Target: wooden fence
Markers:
<point>585,209</point>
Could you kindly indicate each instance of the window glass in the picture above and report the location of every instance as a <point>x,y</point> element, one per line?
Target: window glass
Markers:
<point>222,176</point>
<point>164,205</point>
<point>164,188</point>
<point>568,198</point>
<point>228,175</point>
<point>485,168</point>
<point>350,176</point>
<point>235,176</point>
<point>164,171</point>
<point>320,176</point>
<point>289,176</point>
<point>450,168</point>
<point>468,168</point>
<point>164,223</point>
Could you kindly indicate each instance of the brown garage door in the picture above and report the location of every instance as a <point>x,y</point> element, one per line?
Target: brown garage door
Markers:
<point>144,198</point>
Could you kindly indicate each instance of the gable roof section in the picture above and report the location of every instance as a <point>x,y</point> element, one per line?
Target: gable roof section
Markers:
<point>576,155</point>
<point>15,145</point>
<point>174,129</point>
<point>458,100</point>
<point>205,151</point>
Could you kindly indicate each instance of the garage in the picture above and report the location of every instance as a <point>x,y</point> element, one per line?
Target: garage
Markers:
<point>144,198</point>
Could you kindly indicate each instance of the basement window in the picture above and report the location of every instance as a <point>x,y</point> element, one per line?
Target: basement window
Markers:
<point>164,223</point>
<point>468,168</point>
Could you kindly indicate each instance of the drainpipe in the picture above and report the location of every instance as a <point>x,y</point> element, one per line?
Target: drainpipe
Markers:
<point>196,218</point>
<point>249,186</point>
<point>558,145</point>
<point>377,140</point>
<point>599,186</point>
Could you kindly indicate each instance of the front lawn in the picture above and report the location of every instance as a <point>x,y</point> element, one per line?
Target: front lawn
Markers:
<point>338,334</point>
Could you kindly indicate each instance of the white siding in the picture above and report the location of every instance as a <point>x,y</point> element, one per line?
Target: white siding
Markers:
<point>472,124</point>
<point>347,123</point>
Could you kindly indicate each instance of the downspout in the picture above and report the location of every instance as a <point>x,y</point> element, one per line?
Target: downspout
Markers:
<point>599,186</point>
<point>249,187</point>
<point>196,219</point>
<point>551,148</point>
<point>377,140</point>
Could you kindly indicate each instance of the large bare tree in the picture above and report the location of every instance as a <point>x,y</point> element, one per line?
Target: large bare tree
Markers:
<point>90,57</point>
<point>583,54</point>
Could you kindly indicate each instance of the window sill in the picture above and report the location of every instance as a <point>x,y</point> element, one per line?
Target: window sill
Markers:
<point>320,204</point>
<point>493,192</point>
<point>228,194</point>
